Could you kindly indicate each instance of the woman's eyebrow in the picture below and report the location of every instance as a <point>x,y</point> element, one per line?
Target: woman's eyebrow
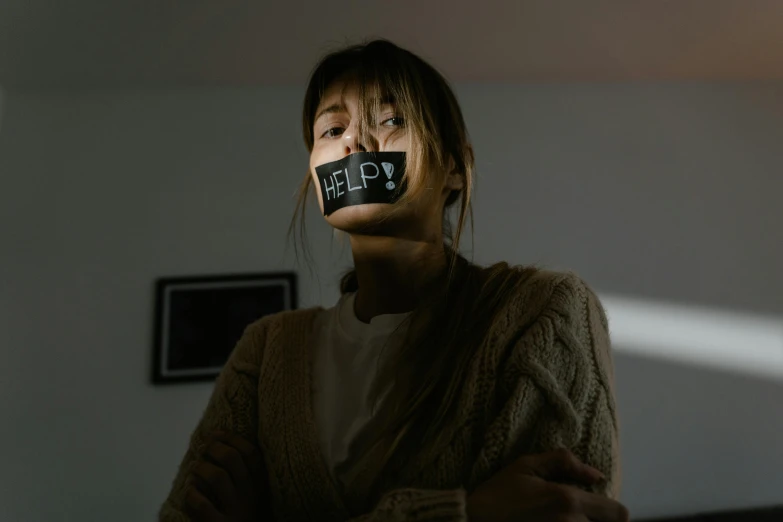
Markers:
<point>333,108</point>
<point>340,107</point>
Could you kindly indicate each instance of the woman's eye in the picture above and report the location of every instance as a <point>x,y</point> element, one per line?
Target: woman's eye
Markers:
<point>394,121</point>
<point>333,132</point>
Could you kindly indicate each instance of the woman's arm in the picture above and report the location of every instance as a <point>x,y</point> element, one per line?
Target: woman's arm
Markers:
<point>561,377</point>
<point>232,408</point>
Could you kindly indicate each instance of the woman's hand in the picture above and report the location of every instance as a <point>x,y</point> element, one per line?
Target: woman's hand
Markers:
<point>533,489</point>
<point>228,482</point>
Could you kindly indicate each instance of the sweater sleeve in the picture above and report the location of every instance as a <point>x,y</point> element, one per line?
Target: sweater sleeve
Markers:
<point>233,407</point>
<point>589,386</point>
<point>559,383</point>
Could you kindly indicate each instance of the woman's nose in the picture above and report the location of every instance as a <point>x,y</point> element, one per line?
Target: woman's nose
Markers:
<point>354,142</point>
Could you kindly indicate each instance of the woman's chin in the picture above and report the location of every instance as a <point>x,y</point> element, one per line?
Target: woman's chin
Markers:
<point>358,219</point>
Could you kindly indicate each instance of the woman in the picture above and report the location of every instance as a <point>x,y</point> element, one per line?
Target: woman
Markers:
<point>435,389</point>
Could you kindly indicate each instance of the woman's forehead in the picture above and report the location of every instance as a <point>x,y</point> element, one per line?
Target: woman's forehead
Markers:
<point>339,90</point>
<point>346,89</point>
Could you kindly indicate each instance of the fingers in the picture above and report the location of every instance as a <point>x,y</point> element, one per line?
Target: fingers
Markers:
<point>199,508</point>
<point>561,466</point>
<point>249,453</point>
<point>229,459</point>
<point>214,483</point>
<point>596,507</point>
<point>236,472</point>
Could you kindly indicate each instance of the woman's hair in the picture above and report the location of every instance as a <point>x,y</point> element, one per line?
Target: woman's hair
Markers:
<point>424,375</point>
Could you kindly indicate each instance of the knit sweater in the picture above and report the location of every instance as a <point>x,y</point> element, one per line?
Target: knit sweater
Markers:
<point>542,379</point>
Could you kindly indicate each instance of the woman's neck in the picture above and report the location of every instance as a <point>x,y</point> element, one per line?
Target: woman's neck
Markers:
<point>393,273</point>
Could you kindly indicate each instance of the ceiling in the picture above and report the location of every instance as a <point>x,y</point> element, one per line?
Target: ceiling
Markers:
<point>165,43</point>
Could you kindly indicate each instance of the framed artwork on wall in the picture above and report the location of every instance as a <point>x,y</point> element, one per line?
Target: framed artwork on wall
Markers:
<point>198,320</point>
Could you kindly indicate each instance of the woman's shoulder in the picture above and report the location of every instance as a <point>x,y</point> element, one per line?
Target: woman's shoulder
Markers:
<point>530,292</point>
<point>278,329</point>
<point>299,320</point>
<point>532,280</point>
<point>543,311</point>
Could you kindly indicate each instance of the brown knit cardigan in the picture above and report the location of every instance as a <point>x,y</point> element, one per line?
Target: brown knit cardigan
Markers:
<point>542,379</point>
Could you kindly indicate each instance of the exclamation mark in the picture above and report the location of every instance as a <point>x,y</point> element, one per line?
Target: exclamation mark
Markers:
<point>388,168</point>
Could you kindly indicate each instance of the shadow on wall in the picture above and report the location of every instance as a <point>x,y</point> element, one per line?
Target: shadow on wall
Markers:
<point>774,514</point>
<point>700,406</point>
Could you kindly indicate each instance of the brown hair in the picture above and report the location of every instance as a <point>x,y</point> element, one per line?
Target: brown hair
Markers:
<point>426,373</point>
<point>438,138</point>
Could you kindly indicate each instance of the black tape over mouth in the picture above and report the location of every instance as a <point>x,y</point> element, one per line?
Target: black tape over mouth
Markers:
<point>361,178</point>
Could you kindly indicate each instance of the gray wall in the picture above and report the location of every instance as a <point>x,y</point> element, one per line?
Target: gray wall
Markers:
<point>652,192</point>
<point>2,99</point>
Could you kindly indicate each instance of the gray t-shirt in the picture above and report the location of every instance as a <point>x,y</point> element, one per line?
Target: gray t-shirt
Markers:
<point>347,355</point>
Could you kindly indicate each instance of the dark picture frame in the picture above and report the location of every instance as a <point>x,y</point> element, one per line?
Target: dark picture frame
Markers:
<point>199,319</point>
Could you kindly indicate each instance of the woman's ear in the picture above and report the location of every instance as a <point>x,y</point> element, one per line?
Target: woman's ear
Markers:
<point>455,181</point>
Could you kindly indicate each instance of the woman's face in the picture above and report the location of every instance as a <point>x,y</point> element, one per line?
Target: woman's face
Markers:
<point>335,136</point>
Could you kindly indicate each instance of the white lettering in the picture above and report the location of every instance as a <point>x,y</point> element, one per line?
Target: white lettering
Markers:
<point>365,177</point>
<point>338,183</point>
<point>348,180</point>
<point>327,189</point>
<point>388,168</point>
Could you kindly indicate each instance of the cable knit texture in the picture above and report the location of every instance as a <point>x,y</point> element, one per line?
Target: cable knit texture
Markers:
<point>542,379</point>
